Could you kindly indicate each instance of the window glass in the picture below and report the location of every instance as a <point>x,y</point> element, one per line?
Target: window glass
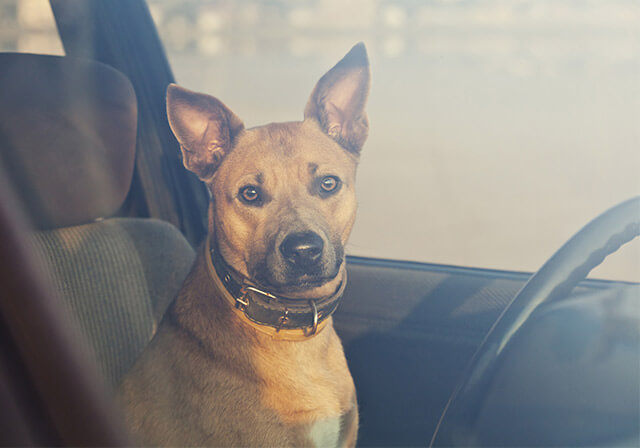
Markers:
<point>28,26</point>
<point>498,128</point>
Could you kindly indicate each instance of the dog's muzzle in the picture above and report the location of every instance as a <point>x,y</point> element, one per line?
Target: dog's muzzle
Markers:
<point>295,261</point>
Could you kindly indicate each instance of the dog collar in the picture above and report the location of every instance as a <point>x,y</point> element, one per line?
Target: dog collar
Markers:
<point>279,317</point>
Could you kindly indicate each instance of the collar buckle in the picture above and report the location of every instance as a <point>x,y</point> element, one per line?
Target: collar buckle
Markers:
<point>242,302</point>
<point>259,291</point>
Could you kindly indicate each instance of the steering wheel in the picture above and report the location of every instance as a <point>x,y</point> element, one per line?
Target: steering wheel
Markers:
<point>552,283</point>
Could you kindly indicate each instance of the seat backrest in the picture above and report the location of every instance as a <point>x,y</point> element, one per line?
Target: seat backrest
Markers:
<point>118,276</point>
<point>67,138</point>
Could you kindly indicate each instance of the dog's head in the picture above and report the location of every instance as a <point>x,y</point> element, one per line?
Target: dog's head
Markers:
<point>283,194</point>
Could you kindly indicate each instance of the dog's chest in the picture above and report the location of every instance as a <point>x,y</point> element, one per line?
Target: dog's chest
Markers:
<point>326,432</point>
<point>333,431</point>
<point>310,387</point>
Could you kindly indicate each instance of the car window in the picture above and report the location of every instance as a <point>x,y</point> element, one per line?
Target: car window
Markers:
<point>28,26</point>
<point>498,129</point>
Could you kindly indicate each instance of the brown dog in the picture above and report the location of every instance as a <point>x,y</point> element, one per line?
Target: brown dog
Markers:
<point>247,354</point>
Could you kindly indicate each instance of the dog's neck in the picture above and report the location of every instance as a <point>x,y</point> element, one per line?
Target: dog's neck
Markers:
<point>279,317</point>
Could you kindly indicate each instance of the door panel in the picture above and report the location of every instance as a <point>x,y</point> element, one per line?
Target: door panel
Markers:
<point>409,330</point>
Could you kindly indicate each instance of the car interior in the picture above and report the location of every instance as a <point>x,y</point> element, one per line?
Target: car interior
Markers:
<point>99,226</point>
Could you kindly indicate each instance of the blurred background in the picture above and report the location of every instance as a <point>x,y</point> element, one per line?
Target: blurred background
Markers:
<point>498,127</point>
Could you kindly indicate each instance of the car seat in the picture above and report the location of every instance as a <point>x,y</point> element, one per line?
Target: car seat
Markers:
<point>67,142</point>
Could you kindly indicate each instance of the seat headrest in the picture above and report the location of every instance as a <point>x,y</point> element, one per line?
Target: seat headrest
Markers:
<point>67,136</point>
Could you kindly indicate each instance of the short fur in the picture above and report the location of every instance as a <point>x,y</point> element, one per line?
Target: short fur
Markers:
<point>208,377</point>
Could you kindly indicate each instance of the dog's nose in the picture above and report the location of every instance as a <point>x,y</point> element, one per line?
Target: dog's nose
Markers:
<point>302,249</point>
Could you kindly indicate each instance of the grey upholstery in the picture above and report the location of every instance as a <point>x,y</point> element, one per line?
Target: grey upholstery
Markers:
<point>118,277</point>
<point>67,138</point>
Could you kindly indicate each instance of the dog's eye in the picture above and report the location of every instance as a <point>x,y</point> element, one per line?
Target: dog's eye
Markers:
<point>250,194</point>
<point>329,184</point>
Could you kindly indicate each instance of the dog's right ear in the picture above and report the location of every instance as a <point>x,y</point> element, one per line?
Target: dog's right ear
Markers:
<point>204,127</point>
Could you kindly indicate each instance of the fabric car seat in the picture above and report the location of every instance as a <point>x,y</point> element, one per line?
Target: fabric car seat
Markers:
<point>67,140</point>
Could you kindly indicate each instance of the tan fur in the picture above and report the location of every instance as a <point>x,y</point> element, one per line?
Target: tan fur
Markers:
<point>208,377</point>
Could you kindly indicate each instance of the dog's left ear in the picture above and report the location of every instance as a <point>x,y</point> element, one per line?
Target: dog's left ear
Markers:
<point>337,102</point>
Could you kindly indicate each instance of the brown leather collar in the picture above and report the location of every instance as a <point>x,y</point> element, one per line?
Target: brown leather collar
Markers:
<point>279,317</point>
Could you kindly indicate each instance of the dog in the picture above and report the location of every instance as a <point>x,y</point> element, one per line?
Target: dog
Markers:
<point>247,354</point>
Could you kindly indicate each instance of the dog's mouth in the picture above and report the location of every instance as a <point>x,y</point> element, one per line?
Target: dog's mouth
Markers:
<point>304,283</point>
<point>299,284</point>
<point>315,288</point>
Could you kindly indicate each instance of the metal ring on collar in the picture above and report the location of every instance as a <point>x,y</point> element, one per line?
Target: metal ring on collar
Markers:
<point>314,327</point>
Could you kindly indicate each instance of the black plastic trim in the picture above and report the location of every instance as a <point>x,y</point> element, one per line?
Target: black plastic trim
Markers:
<point>464,270</point>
